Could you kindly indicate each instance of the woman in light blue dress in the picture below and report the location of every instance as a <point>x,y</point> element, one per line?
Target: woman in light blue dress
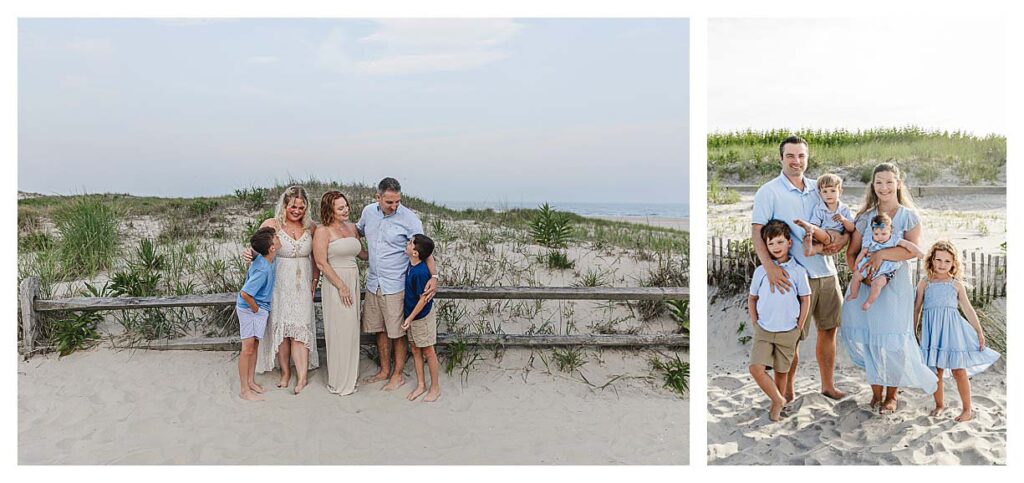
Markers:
<point>949,342</point>
<point>881,339</point>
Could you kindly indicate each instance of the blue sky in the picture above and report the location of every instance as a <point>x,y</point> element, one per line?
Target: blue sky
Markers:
<point>489,110</point>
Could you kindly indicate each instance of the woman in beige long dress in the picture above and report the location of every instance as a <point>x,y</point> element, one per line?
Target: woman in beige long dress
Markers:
<point>335,248</point>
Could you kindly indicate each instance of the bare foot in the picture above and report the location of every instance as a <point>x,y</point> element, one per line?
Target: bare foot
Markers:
<point>887,407</point>
<point>834,393</point>
<point>790,397</point>
<point>395,382</point>
<point>965,416</point>
<point>809,244</point>
<point>257,388</point>
<point>433,395</point>
<point>416,393</point>
<point>866,306</point>
<point>299,386</point>
<point>853,296</point>
<point>380,376</point>
<point>876,401</point>
<point>937,411</point>
<point>775,414</point>
<point>285,379</point>
<point>250,396</point>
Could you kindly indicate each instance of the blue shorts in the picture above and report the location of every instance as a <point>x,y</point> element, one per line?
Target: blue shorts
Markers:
<point>251,324</point>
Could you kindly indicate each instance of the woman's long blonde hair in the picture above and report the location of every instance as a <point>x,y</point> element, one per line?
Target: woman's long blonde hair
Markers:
<point>287,196</point>
<point>902,191</point>
<point>956,271</point>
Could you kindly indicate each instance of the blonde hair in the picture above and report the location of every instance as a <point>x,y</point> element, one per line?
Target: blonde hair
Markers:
<point>956,271</point>
<point>289,194</point>
<point>902,192</point>
<point>829,180</point>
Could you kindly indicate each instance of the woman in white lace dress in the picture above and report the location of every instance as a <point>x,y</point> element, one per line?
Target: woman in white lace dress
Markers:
<point>291,330</point>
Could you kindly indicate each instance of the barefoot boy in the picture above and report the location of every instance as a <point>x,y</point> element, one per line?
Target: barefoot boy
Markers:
<point>778,318</point>
<point>420,321</point>
<point>253,309</point>
<point>830,218</point>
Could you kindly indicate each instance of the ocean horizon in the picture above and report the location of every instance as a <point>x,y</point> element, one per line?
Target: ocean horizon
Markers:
<point>659,210</point>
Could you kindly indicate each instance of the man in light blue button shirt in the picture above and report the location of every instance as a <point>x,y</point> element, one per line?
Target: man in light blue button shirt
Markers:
<point>388,226</point>
<point>788,197</point>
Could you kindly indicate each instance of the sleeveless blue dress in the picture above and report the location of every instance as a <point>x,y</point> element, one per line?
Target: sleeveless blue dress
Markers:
<point>881,340</point>
<point>947,340</point>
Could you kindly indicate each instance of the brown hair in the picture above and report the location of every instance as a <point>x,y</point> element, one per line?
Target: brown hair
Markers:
<point>956,271</point>
<point>327,206</point>
<point>829,180</point>
<point>792,140</point>
<point>902,192</point>
<point>881,219</point>
<point>262,240</point>
<point>775,228</point>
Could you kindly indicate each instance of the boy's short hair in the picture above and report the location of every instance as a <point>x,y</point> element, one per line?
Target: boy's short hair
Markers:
<point>880,219</point>
<point>775,228</point>
<point>423,244</point>
<point>829,180</point>
<point>263,239</point>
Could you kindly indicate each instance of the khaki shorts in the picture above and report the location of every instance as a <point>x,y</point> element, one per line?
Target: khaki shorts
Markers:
<point>826,304</point>
<point>423,332</point>
<point>382,312</point>
<point>774,349</point>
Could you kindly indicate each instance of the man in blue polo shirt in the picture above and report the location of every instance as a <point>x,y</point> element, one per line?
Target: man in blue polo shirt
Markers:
<point>388,226</point>
<point>788,197</point>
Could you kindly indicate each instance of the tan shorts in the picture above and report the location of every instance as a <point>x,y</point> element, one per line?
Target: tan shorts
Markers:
<point>382,312</point>
<point>423,332</point>
<point>774,349</point>
<point>826,304</point>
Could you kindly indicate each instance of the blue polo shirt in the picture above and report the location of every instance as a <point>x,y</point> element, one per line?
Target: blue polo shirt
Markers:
<point>779,199</point>
<point>259,283</point>
<point>415,282</point>
<point>386,237</point>
<point>777,311</point>
<point>822,217</point>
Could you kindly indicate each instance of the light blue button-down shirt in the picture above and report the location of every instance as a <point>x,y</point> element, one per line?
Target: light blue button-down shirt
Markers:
<point>779,199</point>
<point>777,311</point>
<point>386,237</point>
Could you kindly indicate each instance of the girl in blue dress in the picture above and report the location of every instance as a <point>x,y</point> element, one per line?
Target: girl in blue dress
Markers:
<point>881,339</point>
<point>948,340</point>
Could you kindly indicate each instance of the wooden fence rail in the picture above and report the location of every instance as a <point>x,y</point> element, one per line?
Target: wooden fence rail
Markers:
<point>732,261</point>
<point>31,307</point>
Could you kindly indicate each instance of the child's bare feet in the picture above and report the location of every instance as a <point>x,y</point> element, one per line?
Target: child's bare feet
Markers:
<point>433,395</point>
<point>876,401</point>
<point>888,407</point>
<point>965,416</point>
<point>299,386</point>
<point>775,414</point>
<point>258,389</point>
<point>250,396</point>
<point>285,379</point>
<point>789,397</point>
<point>416,393</point>
<point>866,306</point>
<point>379,376</point>
<point>396,381</point>
<point>937,411</point>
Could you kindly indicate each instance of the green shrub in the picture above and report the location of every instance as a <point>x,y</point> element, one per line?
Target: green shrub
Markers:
<point>88,229</point>
<point>551,228</point>
<point>676,373</point>
<point>72,333</point>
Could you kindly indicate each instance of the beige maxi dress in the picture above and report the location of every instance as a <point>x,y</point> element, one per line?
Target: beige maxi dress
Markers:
<point>341,323</point>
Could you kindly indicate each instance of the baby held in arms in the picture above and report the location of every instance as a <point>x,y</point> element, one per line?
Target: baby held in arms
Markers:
<point>882,237</point>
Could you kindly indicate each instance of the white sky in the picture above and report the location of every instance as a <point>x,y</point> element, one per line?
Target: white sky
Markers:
<point>857,73</point>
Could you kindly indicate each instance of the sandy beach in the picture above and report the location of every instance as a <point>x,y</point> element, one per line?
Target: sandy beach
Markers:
<point>819,430</point>
<point>109,406</point>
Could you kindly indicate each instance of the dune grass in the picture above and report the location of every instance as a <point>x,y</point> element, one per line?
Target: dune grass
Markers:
<point>926,156</point>
<point>88,235</point>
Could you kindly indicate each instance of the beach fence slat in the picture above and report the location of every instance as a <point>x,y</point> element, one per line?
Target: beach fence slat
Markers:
<point>29,317</point>
<point>511,340</point>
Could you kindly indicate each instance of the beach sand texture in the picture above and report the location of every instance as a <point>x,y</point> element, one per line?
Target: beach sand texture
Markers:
<point>107,406</point>
<point>818,430</point>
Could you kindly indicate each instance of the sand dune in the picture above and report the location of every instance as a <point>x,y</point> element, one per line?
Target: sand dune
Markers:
<point>818,430</point>
<point>106,406</point>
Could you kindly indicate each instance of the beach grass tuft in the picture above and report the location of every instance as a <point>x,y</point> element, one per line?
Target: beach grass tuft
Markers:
<point>568,359</point>
<point>675,372</point>
<point>88,235</point>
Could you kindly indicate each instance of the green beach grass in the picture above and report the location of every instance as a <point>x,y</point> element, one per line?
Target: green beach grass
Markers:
<point>926,156</point>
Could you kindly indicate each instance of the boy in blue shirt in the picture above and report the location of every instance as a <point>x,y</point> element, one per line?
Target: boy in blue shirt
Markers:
<point>420,321</point>
<point>253,308</point>
<point>777,317</point>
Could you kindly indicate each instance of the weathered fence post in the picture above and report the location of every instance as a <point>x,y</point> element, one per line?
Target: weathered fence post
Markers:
<point>29,317</point>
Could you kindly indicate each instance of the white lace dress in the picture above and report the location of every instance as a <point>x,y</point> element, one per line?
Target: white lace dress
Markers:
<point>291,308</point>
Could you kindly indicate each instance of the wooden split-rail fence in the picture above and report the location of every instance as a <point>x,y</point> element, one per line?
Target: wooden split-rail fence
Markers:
<point>732,260</point>
<point>32,307</point>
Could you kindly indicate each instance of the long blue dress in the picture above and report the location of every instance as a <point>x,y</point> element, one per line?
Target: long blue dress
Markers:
<point>947,340</point>
<point>881,339</point>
